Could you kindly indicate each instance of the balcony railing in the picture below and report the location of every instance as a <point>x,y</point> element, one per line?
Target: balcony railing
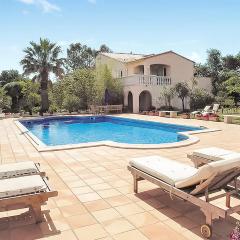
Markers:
<point>148,80</point>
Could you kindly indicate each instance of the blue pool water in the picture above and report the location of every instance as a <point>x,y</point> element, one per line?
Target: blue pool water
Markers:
<point>72,130</point>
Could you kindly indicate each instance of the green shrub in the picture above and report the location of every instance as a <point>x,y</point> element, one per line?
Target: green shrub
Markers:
<point>30,96</point>
<point>104,80</point>
<point>71,103</point>
<point>53,108</point>
<point>229,102</point>
<point>36,109</point>
<point>166,95</point>
<point>5,101</point>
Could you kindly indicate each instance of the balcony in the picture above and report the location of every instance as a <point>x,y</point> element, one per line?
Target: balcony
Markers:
<point>147,80</point>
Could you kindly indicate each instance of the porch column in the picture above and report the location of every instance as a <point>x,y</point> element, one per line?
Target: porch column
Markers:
<point>146,69</point>
<point>135,102</point>
<point>125,98</point>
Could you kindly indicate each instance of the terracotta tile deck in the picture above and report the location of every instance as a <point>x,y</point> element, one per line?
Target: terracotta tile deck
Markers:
<point>96,199</point>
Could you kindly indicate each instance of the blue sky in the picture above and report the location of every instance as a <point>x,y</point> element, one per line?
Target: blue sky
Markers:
<point>188,27</point>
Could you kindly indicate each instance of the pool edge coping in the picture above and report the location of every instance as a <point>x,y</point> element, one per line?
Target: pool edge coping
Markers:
<point>41,147</point>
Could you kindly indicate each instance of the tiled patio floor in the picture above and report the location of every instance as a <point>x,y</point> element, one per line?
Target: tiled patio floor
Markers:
<point>96,199</point>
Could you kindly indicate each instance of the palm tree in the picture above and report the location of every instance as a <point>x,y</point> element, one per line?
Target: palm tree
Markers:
<point>41,59</point>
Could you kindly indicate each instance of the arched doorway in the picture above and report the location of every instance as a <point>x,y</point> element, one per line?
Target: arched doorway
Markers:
<point>130,102</point>
<point>145,101</point>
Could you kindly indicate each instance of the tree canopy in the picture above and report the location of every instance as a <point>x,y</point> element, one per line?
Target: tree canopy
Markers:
<point>8,76</point>
<point>80,83</point>
<point>167,94</point>
<point>233,87</point>
<point>81,56</point>
<point>41,59</point>
<point>84,87</point>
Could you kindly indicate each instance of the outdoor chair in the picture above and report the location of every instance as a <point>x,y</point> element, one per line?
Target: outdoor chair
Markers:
<point>195,185</point>
<point>213,111</point>
<point>25,192</point>
<point>206,109</point>
<point>215,108</point>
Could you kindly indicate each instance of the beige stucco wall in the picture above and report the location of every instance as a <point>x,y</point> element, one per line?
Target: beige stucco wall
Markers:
<point>205,83</point>
<point>180,69</point>
<point>155,93</point>
<point>115,66</point>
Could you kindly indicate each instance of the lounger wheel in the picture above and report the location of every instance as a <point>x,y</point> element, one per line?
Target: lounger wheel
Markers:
<point>206,231</point>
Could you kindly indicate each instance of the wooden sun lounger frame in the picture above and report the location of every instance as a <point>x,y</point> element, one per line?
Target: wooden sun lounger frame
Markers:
<point>33,201</point>
<point>198,161</point>
<point>216,182</point>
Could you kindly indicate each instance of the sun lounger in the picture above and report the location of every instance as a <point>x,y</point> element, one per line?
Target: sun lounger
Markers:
<point>213,111</point>
<point>19,169</point>
<point>25,192</point>
<point>205,155</point>
<point>215,108</point>
<point>191,184</point>
<point>206,109</point>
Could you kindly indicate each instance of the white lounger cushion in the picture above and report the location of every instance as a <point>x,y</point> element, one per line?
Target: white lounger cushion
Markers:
<point>232,156</point>
<point>212,153</point>
<point>17,169</point>
<point>195,112</point>
<point>21,185</point>
<point>162,168</point>
<point>209,170</point>
<point>178,174</point>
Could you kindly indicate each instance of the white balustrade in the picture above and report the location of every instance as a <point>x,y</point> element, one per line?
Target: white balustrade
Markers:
<point>148,80</point>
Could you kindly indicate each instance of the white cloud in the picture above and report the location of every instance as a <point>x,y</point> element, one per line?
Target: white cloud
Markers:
<point>45,5</point>
<point>92,1</point>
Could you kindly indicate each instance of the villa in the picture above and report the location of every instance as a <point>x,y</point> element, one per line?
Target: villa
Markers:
<point>143,76</point>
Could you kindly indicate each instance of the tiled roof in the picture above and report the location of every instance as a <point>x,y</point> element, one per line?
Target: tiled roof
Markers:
<point>131,57</point>
<point>125,57</point>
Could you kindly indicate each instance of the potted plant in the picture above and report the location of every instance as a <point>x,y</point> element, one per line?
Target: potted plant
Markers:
<point>152,111</point>
<point>145,112</point>
<point>198,116</point>
<point>214,117</point>
<point>205,117</point>
<point>185,115</point>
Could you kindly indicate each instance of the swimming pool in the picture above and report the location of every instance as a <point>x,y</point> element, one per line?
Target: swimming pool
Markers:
<point>55,131</point>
